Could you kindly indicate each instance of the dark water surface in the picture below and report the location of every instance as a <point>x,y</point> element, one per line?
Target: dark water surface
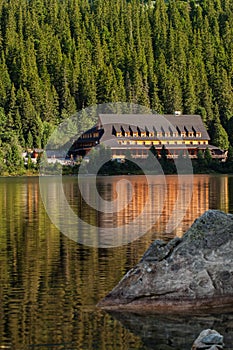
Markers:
<point>49,284</point>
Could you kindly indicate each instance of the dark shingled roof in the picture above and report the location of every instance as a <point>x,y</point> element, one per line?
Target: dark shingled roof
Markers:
<point>152,122</point>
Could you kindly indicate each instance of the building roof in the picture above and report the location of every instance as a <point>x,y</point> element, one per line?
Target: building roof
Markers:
<point>153,122</point>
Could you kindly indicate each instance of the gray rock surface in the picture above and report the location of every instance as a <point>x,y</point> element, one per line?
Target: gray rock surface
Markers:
<point>208,339</point>
<point>195,271</point>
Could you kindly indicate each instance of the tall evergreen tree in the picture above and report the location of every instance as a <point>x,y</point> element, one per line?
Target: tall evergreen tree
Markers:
<point>57,57</point>
<point>219,135</point>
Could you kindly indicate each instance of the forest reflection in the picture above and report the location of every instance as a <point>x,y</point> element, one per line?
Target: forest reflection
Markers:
<point>49,284</point>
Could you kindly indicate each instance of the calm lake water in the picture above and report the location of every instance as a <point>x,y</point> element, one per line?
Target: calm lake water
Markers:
<point>50,284</point>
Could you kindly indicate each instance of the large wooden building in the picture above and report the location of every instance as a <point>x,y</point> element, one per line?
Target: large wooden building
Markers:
<point>138,132</point>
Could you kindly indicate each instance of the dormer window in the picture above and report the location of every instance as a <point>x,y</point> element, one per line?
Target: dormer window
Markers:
<point>113,130</point>
<point>196,133</point>
<point>186,131</point>
<point>163,131</point>
<point>149,133</point>
<point>122,131</point>
<point>118,134</point>
<point>178,131</point>
<point>173,132</point>
<point>133,131</point>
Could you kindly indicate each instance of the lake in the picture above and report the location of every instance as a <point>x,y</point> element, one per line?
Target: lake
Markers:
<point>50,284</point>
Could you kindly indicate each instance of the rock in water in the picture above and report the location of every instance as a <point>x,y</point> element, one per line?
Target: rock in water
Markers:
<point>208,339</point>
<point>193,272</point>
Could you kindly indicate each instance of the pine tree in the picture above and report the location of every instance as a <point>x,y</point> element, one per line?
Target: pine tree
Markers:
<point>208,157</point>
<point>190,100</point>
<point>163,154</point>
<point>230,155</point>
<point>200,161</point>
<point>219,135</point>
<point>230,130</point>
<point>5,83</point>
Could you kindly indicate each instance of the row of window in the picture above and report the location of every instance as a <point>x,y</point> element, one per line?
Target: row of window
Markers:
<point>144,152</point>
<point>158,134</point>
<point>151,143</point>
<point>86,145</point>
<point>90,135</point>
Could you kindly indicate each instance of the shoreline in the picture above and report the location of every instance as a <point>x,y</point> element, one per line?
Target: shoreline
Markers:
<point>207,305</point>
<point>111,175</point>
<point>117,174</point>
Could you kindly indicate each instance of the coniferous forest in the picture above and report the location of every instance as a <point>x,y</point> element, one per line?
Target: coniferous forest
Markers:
<point>57,57</point>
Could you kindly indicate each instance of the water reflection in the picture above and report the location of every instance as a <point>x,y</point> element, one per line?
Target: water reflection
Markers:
<point>176,332</point>
<point>155,199</point>
<point>49,285</point>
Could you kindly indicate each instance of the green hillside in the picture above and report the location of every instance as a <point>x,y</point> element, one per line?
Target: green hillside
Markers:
<point>58,56</point>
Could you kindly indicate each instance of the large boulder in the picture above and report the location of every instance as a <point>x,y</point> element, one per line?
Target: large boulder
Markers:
<point>193,272</point>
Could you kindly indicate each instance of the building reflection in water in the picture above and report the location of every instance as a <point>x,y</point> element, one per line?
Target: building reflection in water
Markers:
<point>154,201</point>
